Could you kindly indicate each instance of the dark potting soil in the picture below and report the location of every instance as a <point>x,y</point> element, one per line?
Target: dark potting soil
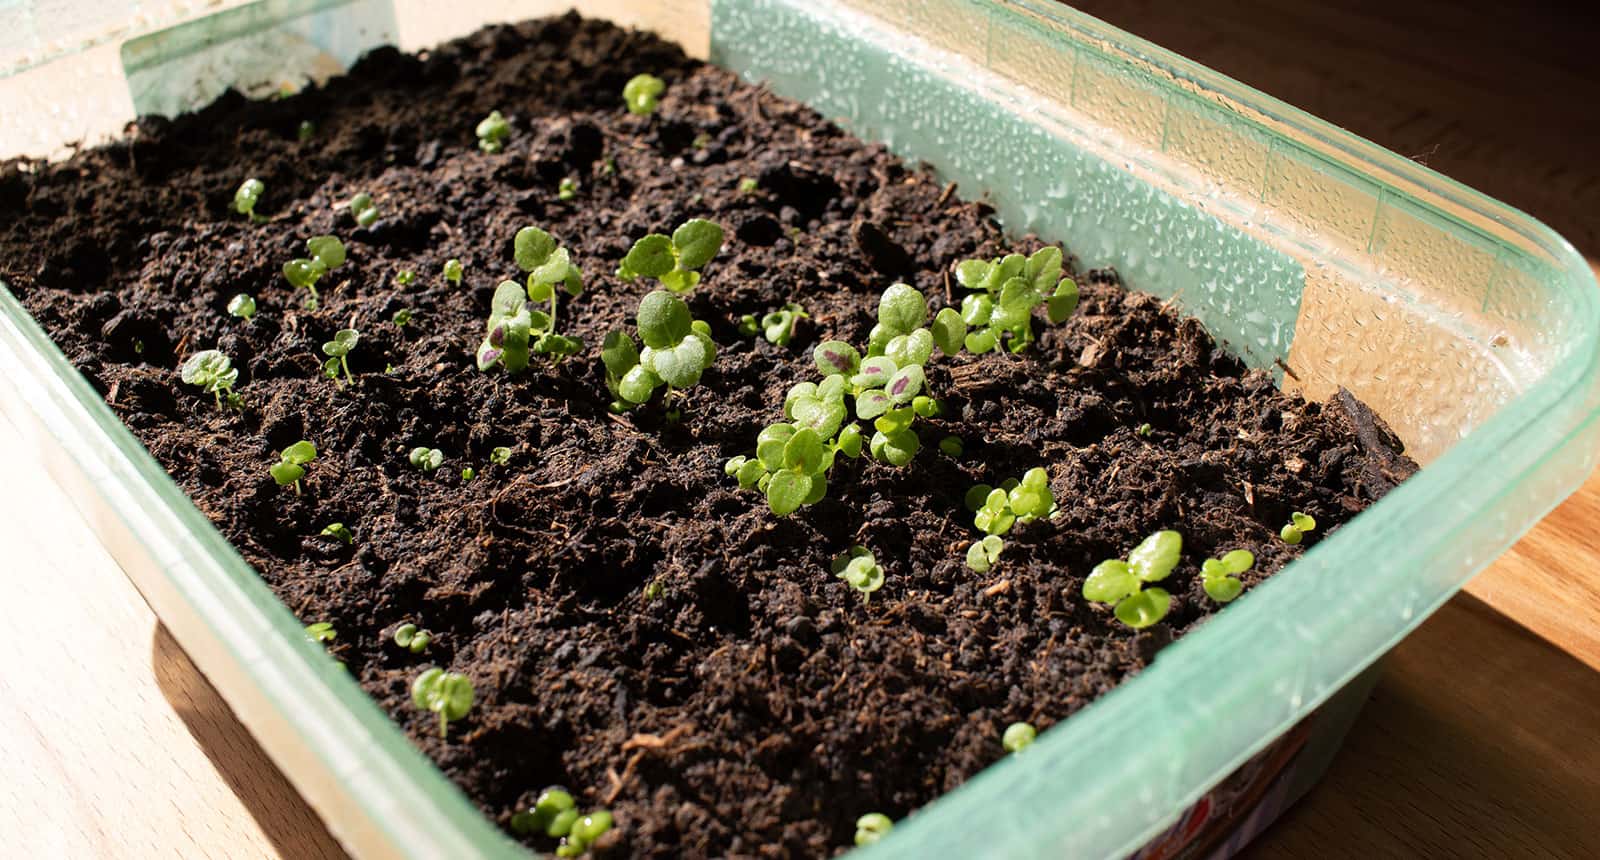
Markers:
<point>638,628</point>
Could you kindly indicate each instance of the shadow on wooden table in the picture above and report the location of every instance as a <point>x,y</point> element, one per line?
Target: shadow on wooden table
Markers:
<point>1477,742</point>
<point>291,825</point>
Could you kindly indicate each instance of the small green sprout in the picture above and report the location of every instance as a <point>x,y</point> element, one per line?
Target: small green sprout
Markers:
<point>654,589</point>
<point>243,307</point>
<point>642,94</point>
<point>1144,430</point>
<point>1007,290</point>
<point>675,261</point>
<point>568,189</point>
<point>983,554</point>
<point>321,631</point>
<point>452,271</point>
<point>749,326</point>
<point>401,318</point>
<point>1219,575</point>
<point>1123,582</point>
<point>997,509</point>
<point>514,326</point>
<point>748,185</point>
<point>468,473</point>
<point>677,350</point>
<point>500,456</point>
<point>951,446</point>
<point>412,638</point>
<point>608,166</point>
<point>584,832</point>
<point>1295,530</point>
<point>492,132</point>
<point>338,352</point>
<point>778,326</point>
<point>426,459</point>
<point>405,278</point>
<point>291,465</point>
<point>211,371</point>
<point>447,694</point>
<point>1018,737</point>
<point>550,814</point>
<point>305,131</point>
<point>340,531</point>
<point>872,827</point>
<point>363,209</point>
<point>327,254</point>
<point>857,567</point>
<point>244,200</point>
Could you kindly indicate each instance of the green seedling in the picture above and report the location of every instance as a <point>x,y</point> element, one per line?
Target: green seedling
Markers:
<point>1123,583</point>
<point>211,371</point>
<point>291,465</point>
<point>982,554</point>
<point>327,254</point>
<point>1018,737</point>
<point>243,307</point>
<point>426,459</point>
<point>642,94</point>
<point>675,261</point>
<point>500,456</point>
<point>514,327</point>
<point>857,567</point>
<point>677,350</point>
<point>1007,290</point>
<point>951,446</point>
<point>1295,530</point>
<point>749,326</point>
<point>452,271</point>
<point>899,333</point>
<point>338,352</point>
<point>321,631</point>
<point>468,473</point>
<point>872,827</point>
<point>363,209</point>
<point>585,831</point>
<point>568,189</point>
<point>401,318</point>
<point>555,814</point>
<point>305,131</point>
<point>778,326</point>
<point>405,278</point>
<point>1219,575</point>
<point>244,200</point>
<point>1144,430</point>
<point>447,694</point>
<point>412,638</point>
<point>492,132</point>
<point>339,531</point>
<point>997,509</point>
<point>748,185</point>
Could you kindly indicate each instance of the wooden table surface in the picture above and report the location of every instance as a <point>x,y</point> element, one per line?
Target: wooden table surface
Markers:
<point>1479,741</point>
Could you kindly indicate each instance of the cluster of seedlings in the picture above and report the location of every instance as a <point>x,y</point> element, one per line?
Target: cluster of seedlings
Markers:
<point>866,403</point>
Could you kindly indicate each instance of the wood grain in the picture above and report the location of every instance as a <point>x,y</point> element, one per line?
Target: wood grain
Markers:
<point>1479,739</point>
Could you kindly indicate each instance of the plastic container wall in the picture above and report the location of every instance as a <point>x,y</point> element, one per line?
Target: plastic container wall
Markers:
<point>1469,327</point>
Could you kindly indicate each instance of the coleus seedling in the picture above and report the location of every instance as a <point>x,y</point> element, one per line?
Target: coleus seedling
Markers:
<point>321,631</point>
<point>452,271</point>
<point>243,307</point>
<point>425,459</point>
<point>338,352</point>
<point>245,199</point>
<point>872,827</point>
<point>1007,290</point>
<point>1219,576</point>
<point>515,328</point>
<point>568,189</point>
<point>211,371</point>
<point>677,350</point>
<point>860,569</point>
<point>363,209</point>
<point>642,93</point>
<point>778,326</point>
<point>982,554</point>
<point>291,465</point>
<point>327,254</point>
<point>492,132</point>
<point>555,813</point>
<point>997,509</point>
<point>447,694</point>
<point>1295,530</point>
<point>1124,583</point>
<point>675,261</point>
<point>1018,737</point>
<point>412,638</point>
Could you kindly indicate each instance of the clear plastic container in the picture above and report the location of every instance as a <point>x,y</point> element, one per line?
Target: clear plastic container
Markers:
<point>1472,329</point>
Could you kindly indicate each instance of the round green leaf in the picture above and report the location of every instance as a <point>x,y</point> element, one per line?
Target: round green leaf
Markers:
<point>770,445</point>
<point>1303,522</point>
<point>1156,555</point>
<point>423,688</point>
<point>831,387</point>
<point>1110,581</point>
<point>798,391</point>
<point>843,559</point>
<point>749,473</point>
<point>836,356</point>
<point>680,280</point>
<point>619,353</point>
<point>286,473</point>
<point>697,241</point>
<point>1290,535</point>
<point>509,298</point>
<point>1238,561</point>
<point>327,250</point>
<point>850,441</point>
<point>913,348</point>
<point>874,372</point>
<point>787,491</point>
<point>895,420</point>
<point>1043,268</point>
<point>949,331</point>
<point>650,256</point>
<point>554,270</point>
<point>1015,307</point>
<point>300,273</point>
<point>901,309</point>
<point>871,404</point>
<point>822,416</point>
<point>663,319</point>
<point>803,451</point>
<point>972,273</point>
<point>897,448</point>
<point>532,248</point>
<point>679,366</point>
<point>977,496</point>
<point>637,384</point>
<point>300,452</point>
<point>976,310</point>
<point>1063,302</point>
<point>981,341</point>
<point>905,384</point>
<point>1223,589</point>
<point>1145,608</point>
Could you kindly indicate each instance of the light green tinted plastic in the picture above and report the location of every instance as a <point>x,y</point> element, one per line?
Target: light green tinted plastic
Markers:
<point>1471,327</point>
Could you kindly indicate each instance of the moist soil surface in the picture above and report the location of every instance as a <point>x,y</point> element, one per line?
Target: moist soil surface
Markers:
<point>639,629</point>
